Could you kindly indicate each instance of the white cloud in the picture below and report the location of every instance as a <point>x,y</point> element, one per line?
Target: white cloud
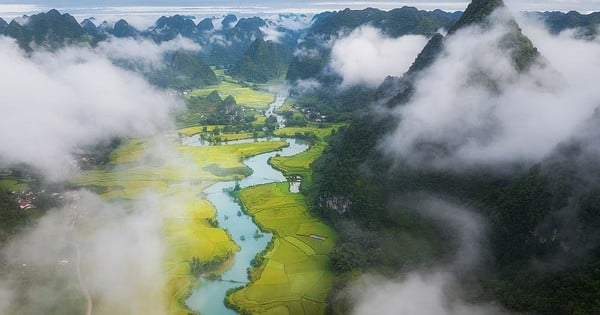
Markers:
<point>220,40</point>
<point>121,251</point>
<point>416,293</point>
<point>292,22</point>
<point>472,108</point>
<point>271,33</point>
<point>367,57</point>
<point>144,51</point>
<point>436,291</point>
<point>304,52</point>
<point>53,103</point>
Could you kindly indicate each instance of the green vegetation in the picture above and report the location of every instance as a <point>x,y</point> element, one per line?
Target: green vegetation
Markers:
<point>50,30</point>
<point>244,94</point>
<point>299,164</point>
<point>538,260</point>
<point>12,183</point>
<point>196,245</point>
<point>476,13</point>
<point>293,276</point>
<point>183,71</point>
<point>393,23</point>
<point>212,110</point>
<point>262,62</point>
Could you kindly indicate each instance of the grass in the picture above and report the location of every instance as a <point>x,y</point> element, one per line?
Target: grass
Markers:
<point>236,136</point>
<point>190,131</point>
<point>287,105</point>
<point>10,184</point>
<point>299,164</point>
<point>188,234</point>
<point>178,174</point>
<point>227,156</point>
<point>321,133</point>
<point>244,96</point>
<point>295,277</point>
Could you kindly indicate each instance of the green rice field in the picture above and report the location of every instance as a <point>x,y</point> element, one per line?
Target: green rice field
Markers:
<point>294,277</point>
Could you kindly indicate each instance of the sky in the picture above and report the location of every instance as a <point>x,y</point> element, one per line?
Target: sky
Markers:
<point>98,8</point>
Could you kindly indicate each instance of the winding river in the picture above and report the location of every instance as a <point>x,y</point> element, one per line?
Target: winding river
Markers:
<point>209,297</point>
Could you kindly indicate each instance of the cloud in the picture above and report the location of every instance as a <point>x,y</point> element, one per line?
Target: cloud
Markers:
<point>53,103</point>
<point>417,293</point>
<point>144,51</point>
<point>303,53</point>
<point>436,291</point>
<point>271,33</point>
<point>220,40</point>
<point>367,57</point>
<point>472,108</point>
<point>306,86</point>
<point>289,21</point>
<point>118,247</point>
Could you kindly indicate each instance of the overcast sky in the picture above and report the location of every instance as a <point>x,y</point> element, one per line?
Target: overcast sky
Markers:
<point>11,8</point>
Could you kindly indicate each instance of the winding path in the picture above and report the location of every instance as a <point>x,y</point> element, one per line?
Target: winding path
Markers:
<point>82,286</point>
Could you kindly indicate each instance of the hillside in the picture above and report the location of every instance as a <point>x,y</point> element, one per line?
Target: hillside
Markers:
<point>357,184</point>
<point>50,29</point>
<point>559,21</point>
<point>262,62</point>
<point>183,70</point>
<point>393,23</point>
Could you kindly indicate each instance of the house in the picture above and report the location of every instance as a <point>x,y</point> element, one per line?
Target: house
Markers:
<point>25,204</point>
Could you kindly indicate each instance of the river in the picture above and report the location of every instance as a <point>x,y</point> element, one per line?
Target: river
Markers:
<point>209,297</point>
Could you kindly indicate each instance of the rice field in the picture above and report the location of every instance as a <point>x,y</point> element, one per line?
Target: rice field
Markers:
<point>294,277</point>
<point>190,131</point>
<point>299,164</point>
<point>244,95</point>
<point>178,174</point>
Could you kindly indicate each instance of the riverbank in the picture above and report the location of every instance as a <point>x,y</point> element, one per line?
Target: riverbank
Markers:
<point>299,164</point>
<point>293,276</point>
<point>179,175</point>
<point>241,227</point>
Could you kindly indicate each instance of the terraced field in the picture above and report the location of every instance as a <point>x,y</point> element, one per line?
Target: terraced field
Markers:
<point>178,174</point>
<point>294,277</point>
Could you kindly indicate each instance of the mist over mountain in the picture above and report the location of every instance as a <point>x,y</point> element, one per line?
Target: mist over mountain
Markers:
<point>223,46</point>
<point>457,155</point>
<point>557,22</point>
<point>312,55</point>
<point>474,123</point>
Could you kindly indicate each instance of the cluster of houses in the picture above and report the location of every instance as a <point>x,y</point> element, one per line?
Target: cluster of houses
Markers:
<point>313,116</point>
<point>26,200</point>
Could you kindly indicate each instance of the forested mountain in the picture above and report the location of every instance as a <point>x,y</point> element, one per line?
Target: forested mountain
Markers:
<point>546,212</point>
<point>123,29</point>
<point>524,54</point>
<point>313,55</point>
<point>205,25</point>
<point>183,71</point>
<point>560,21</point>
<point>393,23</point>
<point>50,29</point>
<point>538,218</point>
<point>263,61</point>
<point>222,47</point>
<point>167,28</point>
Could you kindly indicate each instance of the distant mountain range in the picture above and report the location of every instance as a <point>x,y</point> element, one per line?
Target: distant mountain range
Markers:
<point>250,45</point>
